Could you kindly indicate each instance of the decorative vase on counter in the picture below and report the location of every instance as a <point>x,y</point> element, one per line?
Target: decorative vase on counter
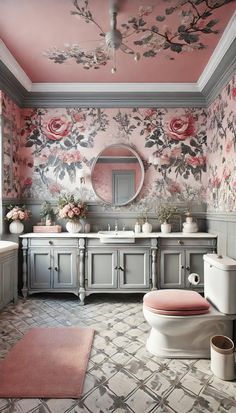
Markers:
<point>87,227</point>
<point>190,225</point>
<point>73,226</point>
<point>16,227</point>
<point>147,227</point>
<point>165,227</point>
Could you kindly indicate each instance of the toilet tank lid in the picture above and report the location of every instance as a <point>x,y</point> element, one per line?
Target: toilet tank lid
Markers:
<point>220,261</point>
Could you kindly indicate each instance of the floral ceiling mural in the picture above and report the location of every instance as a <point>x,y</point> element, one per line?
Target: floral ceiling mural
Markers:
<point>145,34</point>
<point>221,191</point>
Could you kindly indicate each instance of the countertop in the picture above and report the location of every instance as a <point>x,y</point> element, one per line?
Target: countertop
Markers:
<point>140,235</point>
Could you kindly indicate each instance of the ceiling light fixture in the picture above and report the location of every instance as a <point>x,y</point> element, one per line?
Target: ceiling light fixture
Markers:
<point>114,38</point>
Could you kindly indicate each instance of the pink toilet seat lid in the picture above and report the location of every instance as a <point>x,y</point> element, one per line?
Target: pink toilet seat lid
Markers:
<point>176,302</point>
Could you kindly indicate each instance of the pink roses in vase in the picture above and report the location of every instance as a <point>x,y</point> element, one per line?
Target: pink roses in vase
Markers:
<point>72,210</point>
<point>16,215</point>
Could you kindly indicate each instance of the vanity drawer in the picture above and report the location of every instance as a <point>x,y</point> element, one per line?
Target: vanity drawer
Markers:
<point>187,242</point>
<point>53,242</point>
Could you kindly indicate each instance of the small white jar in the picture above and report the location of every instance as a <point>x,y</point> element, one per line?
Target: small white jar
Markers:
<point>137,228</point>
<point>147,228</point>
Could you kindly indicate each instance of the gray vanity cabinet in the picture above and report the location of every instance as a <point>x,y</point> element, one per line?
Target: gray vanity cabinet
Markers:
<point>134,268</point>
<point>172,267</point>
<point>102,269</point>
<point>52,269</point>
<point>50,264</point>
<point>126,268</point>
<point>40,269</point>
<point>179,258</point>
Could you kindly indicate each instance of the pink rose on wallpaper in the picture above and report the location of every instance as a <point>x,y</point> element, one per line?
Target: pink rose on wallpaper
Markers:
<point>182,127</point>
<point>229,145</point>
<point>79,119</point>
<point>149,112</point>
<point>234,93</point>
<point>56,128</point>
<point>70,157</point>
<point>174,188</point>
<point>215,182</point>
<point>176,152</point>
<point>196,160</point>
<point>28,182</point>
<point>77,116</point>
<point>55,188</point>
<point>226,173</point>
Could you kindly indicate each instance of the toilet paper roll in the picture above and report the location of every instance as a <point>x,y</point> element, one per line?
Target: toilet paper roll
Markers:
<point>194,278</point>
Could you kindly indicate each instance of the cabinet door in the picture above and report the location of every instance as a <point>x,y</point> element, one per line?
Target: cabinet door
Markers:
<point>102,269</point>
<point>64,268</point>
<point>7,280</point>
<point>134,268</point>
<point>40,269</point>
<point>195,263</point>
<point>172,268</point>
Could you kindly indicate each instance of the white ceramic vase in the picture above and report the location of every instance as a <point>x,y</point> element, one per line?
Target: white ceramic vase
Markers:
<point>73,226</point>
<point>16,227</point>
<point>165,227</point>
<point>147,228</point>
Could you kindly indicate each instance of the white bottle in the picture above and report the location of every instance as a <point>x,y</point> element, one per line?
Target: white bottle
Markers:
<point>137,228</point>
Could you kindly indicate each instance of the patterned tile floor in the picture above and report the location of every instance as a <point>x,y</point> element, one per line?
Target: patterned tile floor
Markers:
<point>121,376</point>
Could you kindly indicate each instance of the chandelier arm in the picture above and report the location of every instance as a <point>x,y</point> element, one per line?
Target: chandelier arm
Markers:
<point>126,49</point>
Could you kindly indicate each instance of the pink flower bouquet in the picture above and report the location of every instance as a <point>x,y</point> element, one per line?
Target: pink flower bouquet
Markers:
<point>71,209</point>
<point>17,213</point>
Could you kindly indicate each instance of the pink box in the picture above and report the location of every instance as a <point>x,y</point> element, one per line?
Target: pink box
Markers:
<point>46,228</point>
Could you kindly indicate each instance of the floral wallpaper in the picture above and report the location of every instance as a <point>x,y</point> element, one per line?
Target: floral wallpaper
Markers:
<point>11,127</point>
<point>45,150</point>
<point>221,126</point>
<point>56,144</point>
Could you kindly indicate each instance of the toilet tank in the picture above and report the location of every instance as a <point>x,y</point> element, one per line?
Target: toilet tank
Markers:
<point>220,282</point>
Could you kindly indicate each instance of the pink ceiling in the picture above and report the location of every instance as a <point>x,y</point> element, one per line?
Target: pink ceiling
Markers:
<point>31,27</point>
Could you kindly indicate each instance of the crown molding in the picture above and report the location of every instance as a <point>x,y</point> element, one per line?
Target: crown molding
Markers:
<point>11,86</point>
<point>223,73</point>
<point>114,87</point>
<point>8,59</point>
<point>114,100</point>
<point>224,44</point>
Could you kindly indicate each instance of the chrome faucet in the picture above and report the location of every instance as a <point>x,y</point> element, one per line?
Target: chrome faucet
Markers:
<point>116,226</point>
<point>108,227</point>
<point>123,228</point>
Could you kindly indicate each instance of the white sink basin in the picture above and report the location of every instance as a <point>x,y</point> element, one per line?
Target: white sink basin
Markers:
<point>109,237</point>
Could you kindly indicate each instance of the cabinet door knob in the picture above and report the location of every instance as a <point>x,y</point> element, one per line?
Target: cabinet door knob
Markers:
<point>180,242</point>
<point>116,268</point>
<point>56,268</point>
<point>182,267</point>
<point>50,242</point>
<point>49,268</point>
<point>188,268</point>
<point>120,268</point>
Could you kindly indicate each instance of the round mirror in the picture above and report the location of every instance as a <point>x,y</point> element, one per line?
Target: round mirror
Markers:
<point>117,174</point>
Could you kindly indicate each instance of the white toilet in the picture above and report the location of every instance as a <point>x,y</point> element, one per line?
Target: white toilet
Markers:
<point>182,328</point>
